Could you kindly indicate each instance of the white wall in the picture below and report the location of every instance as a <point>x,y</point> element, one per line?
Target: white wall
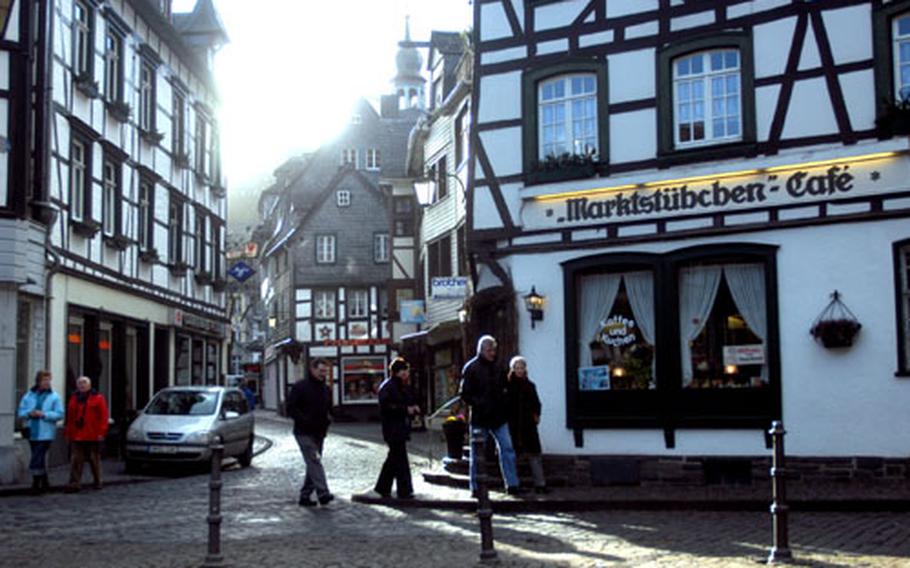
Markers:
<point>835,403</point>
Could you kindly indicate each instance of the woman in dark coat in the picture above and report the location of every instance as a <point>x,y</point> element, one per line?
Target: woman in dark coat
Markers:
<point>524,416</point>
<point>396,407</point>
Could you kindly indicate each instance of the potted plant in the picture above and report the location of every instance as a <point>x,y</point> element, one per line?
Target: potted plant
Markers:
<point>836,326</point>
<point>454,429</point>
<point>894,118</point>
<point>565,166</point>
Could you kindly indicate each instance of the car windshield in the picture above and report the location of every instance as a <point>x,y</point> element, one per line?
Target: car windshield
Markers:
<point>184,403</point>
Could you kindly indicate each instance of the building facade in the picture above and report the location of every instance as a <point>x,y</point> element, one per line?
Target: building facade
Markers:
<point>438,154</point>
<point>695,181</point>
<point>137,277</point>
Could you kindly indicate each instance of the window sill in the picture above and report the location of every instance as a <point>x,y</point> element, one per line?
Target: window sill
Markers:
<point>218,190</point>
<point>85,228</point>
<point>580,171</point>
<point>708,153</point>
<point>119,111</point>
<point>149,256</point>
<point>87,86</point>
<point>152,137</point>
<point>904,374</point>
<point>118,241</point>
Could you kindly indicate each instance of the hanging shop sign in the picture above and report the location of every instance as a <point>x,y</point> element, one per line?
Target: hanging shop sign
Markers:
<point>618,331</point>
<point>354,342</point>
<point>194,322</point>
<point>744,354</point>
<point>594,378</point>
<point>449,287</point>
<point>772,186</point>
<point>413,311</point>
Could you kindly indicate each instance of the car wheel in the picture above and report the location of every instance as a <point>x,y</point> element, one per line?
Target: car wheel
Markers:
<point>246,458</point>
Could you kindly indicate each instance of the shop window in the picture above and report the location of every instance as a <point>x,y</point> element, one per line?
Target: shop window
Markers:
<point>211,363</point>
<point>197,363</point>
<point>182,363</point>
<point>74,352</point>
<point>324,304</point>
<point>902,279</point>
<point>723,326</point>
<point>105,349</point>
<point>617,329</point>
<point>23,349</point>
<point>360,378</point>
<point>687,337</point>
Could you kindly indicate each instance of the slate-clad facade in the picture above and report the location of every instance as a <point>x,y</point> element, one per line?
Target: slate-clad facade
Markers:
<point>694,182</point>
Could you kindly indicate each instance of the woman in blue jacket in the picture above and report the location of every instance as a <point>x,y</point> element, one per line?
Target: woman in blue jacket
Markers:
<point>43,409</point>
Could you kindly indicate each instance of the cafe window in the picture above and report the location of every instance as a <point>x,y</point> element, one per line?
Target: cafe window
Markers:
<point>360,378</point>
<point>697,325</point>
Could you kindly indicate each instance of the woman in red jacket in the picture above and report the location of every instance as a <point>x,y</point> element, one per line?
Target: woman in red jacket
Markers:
<point>86,427</point>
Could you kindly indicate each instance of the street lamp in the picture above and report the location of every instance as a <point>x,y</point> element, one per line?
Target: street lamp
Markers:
<point>534,302</point>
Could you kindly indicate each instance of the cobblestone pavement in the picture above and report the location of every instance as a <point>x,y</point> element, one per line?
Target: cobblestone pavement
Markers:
<point>163,524</point>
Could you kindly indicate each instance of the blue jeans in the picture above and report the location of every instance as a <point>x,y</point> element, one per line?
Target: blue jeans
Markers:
<point>506,455</point>
<point>38,464</point>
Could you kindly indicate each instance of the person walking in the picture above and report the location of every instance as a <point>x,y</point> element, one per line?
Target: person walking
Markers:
<point>42,408</point>
<point>250,394</point>
<point>309,404</point>
<point>396,407</point>
<point>86,427</point>
<point>524,416</point>
<point>483,389</point>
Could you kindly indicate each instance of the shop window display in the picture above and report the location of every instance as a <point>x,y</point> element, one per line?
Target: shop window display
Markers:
<point>360,379</point>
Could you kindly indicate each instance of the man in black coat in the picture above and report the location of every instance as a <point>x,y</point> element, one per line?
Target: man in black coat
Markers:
<point>310,405</point>
<point>483,388</point>
<point>396,407</point>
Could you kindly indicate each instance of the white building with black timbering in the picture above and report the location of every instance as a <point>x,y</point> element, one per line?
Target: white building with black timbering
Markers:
<point>137,281</point>
<point>686,184</point>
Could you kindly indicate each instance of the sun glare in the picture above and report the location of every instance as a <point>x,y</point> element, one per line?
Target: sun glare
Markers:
<point>294,69</point>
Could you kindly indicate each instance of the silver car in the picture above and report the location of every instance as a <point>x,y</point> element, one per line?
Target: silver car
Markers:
<point>180,423</point>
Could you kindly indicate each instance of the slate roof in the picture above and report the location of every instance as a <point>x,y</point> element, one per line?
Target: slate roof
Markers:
<point>202,21</point>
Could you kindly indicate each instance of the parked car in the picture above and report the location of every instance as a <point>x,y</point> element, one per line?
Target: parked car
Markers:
<point>180,423</point>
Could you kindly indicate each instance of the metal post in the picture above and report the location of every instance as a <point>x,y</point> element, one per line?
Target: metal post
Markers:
<point>484,507</point>
<point>780,551</point>
<point>214,558</point>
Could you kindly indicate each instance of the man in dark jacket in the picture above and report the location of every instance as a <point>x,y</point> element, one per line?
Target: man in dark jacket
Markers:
<point>310,404</point>
<point>483,388</point>
<point>396,407</point>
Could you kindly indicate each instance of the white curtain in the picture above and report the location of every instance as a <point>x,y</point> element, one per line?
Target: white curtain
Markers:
<point>640,290</point>
<point>747,286</point>
<point>697,291</point>
<point>598,292</point>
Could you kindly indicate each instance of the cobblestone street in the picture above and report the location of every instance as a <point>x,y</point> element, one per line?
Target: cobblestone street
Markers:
<point>162,523</point>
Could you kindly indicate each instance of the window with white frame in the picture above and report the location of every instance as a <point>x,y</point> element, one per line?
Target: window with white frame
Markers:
<point>146,214</point>
<point>110,195</point>
<point>82,39</point>
<point>78,179</point>
<point>349,157</point>
<point>567,120</point>
<point>146,97</point>
<point>324,304</point>
<point>706,98</point>
<point>372,159</point>
<point>358,304</point>
<point>901,49</point>
<point>325,249</point>
<point>381,247</point>
<point>343,197</point>
<point>113,65</point>
<point>202,152</point>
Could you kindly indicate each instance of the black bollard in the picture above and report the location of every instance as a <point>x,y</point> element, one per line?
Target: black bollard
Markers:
<point>780,551</point>
<point>484,507</point>
<point>214,558</point>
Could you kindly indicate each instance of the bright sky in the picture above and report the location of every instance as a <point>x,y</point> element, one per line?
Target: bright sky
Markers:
<point>294,68</point>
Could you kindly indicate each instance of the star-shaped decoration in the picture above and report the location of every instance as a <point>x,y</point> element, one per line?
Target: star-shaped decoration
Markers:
<point>325,332</point>
<point>875,176</point>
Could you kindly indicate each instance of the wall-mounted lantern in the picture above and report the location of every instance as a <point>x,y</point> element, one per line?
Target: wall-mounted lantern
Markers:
<point>534,303</point>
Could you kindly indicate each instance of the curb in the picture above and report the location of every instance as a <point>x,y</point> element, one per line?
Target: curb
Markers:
<point>20,490</point>
<point>574,505</point>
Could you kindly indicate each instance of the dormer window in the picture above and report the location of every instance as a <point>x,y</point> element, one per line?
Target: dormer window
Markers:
<point>343,197</point>
<point>349,157</point>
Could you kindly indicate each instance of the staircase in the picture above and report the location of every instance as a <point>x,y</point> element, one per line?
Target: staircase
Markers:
<point>455,472</point>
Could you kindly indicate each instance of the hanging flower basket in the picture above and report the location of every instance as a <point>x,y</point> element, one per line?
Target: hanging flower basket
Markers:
<point>836,326</point>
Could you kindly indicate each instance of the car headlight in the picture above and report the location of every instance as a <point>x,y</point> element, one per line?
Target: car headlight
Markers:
<point>134,434</point>
<point>202,437</point>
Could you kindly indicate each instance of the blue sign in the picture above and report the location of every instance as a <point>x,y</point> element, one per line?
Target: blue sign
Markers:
<point>413,311</point>
<point>241,271</point>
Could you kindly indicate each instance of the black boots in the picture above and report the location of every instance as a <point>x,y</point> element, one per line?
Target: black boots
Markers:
<point>39,484</point>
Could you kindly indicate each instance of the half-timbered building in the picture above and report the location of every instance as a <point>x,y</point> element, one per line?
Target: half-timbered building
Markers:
<point>138,271</point>
<point>686,185</point>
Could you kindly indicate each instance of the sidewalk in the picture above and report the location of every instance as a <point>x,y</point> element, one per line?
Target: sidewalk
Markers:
<point>113,472</point>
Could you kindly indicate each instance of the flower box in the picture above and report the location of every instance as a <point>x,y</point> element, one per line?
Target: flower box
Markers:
<point>454,430</point>
<point>87,228</point>
<point>152,137</point>
<point>86,85</point>
<point>149,255</point>
<point>119,110</point>
<point>118,242</point>
<point>833,334</point>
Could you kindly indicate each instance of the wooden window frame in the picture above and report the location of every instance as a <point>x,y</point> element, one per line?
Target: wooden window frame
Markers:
<point>332,238</point>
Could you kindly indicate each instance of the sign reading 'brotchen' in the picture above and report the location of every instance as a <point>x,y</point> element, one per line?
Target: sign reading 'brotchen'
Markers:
<point>749,190</point>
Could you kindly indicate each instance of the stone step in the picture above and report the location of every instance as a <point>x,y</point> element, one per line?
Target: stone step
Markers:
<point>449,479</point>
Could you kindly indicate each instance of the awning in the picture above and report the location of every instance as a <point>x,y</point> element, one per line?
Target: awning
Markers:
<point>442,332</point>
